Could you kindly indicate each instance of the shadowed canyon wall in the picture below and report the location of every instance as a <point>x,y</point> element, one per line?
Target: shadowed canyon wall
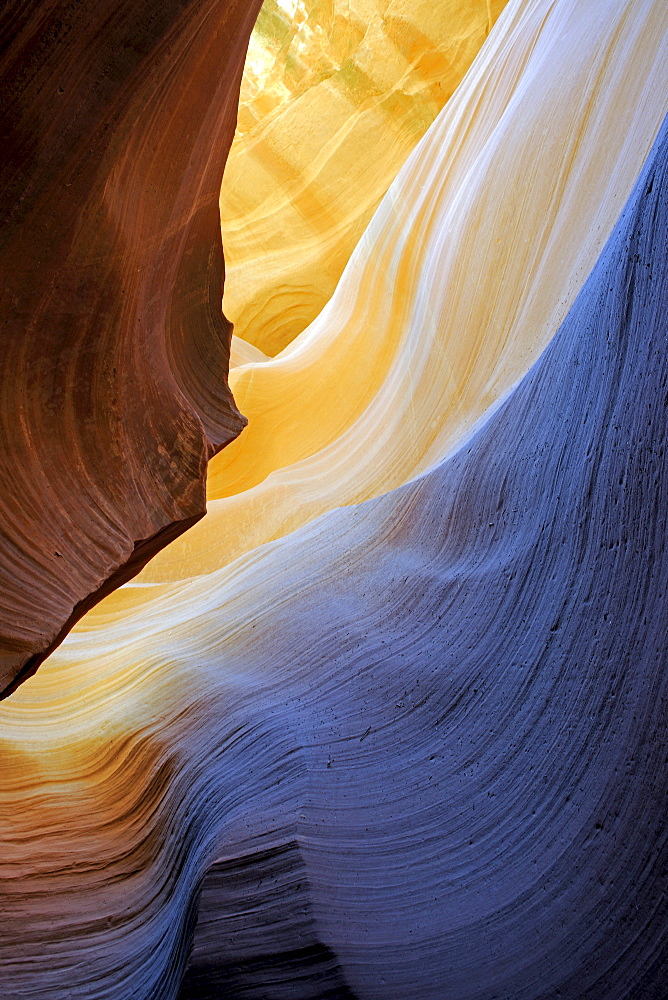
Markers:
<point>472,674</point>
<point>116,120</point>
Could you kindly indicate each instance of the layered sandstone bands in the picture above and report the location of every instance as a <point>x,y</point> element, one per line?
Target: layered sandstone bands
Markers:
<point>415,748</point>
<point>462,686</point>
<point>461,279</point>
<point>116,122</point>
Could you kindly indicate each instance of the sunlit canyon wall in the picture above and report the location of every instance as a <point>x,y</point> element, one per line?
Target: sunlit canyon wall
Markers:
<point>334,98</point>
<point>408,737</point>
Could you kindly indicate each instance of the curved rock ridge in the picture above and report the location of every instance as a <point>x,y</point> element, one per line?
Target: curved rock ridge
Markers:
<point>515,693</point>
<point>462,278</point>
<point>115,124</point>
<point>241,352</point>
<point>325,87</point>
<point>416,748</point>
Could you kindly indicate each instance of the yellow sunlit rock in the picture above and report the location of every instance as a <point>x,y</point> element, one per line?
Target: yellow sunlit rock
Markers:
<point>335,95</point>
<point>462,277</point>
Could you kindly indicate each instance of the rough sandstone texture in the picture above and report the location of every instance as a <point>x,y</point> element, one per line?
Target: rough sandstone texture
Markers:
<point>415,749</point>
<point>115,125</point>
<point>464,695</point>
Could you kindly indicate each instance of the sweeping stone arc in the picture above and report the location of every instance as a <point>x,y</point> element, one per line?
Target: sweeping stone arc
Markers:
<point>461,279</point>
<point>115,121</point>
<point>474,671</point>
<point>432,725</point>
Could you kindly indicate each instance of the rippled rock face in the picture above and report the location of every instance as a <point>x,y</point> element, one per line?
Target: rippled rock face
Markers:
<point>116,121</point>
<point>458,745</point>
<point>335,96</point>
<point>465,273</point>
<point>415,748</point>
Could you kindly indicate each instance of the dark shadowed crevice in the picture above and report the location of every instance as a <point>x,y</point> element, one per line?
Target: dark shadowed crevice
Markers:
<point>256,937</point>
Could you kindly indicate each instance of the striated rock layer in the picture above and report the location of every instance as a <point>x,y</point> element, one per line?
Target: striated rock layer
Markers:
<point>471,673</point>
<point>116,120</point>
<point>334,97</point>
<point>462,278</point>
<point>416,748</point>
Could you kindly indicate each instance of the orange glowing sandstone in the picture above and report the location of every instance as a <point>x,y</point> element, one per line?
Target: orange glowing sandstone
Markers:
<point>334,97</point>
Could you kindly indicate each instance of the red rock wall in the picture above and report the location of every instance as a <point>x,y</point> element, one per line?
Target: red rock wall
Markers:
<point>116,121</point>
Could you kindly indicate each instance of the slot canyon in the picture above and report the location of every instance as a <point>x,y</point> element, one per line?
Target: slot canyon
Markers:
<point>333,504</point>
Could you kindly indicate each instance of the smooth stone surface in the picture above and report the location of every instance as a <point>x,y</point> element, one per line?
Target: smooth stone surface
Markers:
<point>460,281</point>
<point>326,86</point>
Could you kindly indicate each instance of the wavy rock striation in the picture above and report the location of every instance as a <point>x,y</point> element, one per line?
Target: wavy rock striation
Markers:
<point>416,748</point>
<point>326,87</point>
<point>462,278</point>
<point>472,671</point>
<point>116,121</point>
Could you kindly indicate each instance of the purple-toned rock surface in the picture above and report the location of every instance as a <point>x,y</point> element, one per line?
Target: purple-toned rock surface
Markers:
<point>470,714</point>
